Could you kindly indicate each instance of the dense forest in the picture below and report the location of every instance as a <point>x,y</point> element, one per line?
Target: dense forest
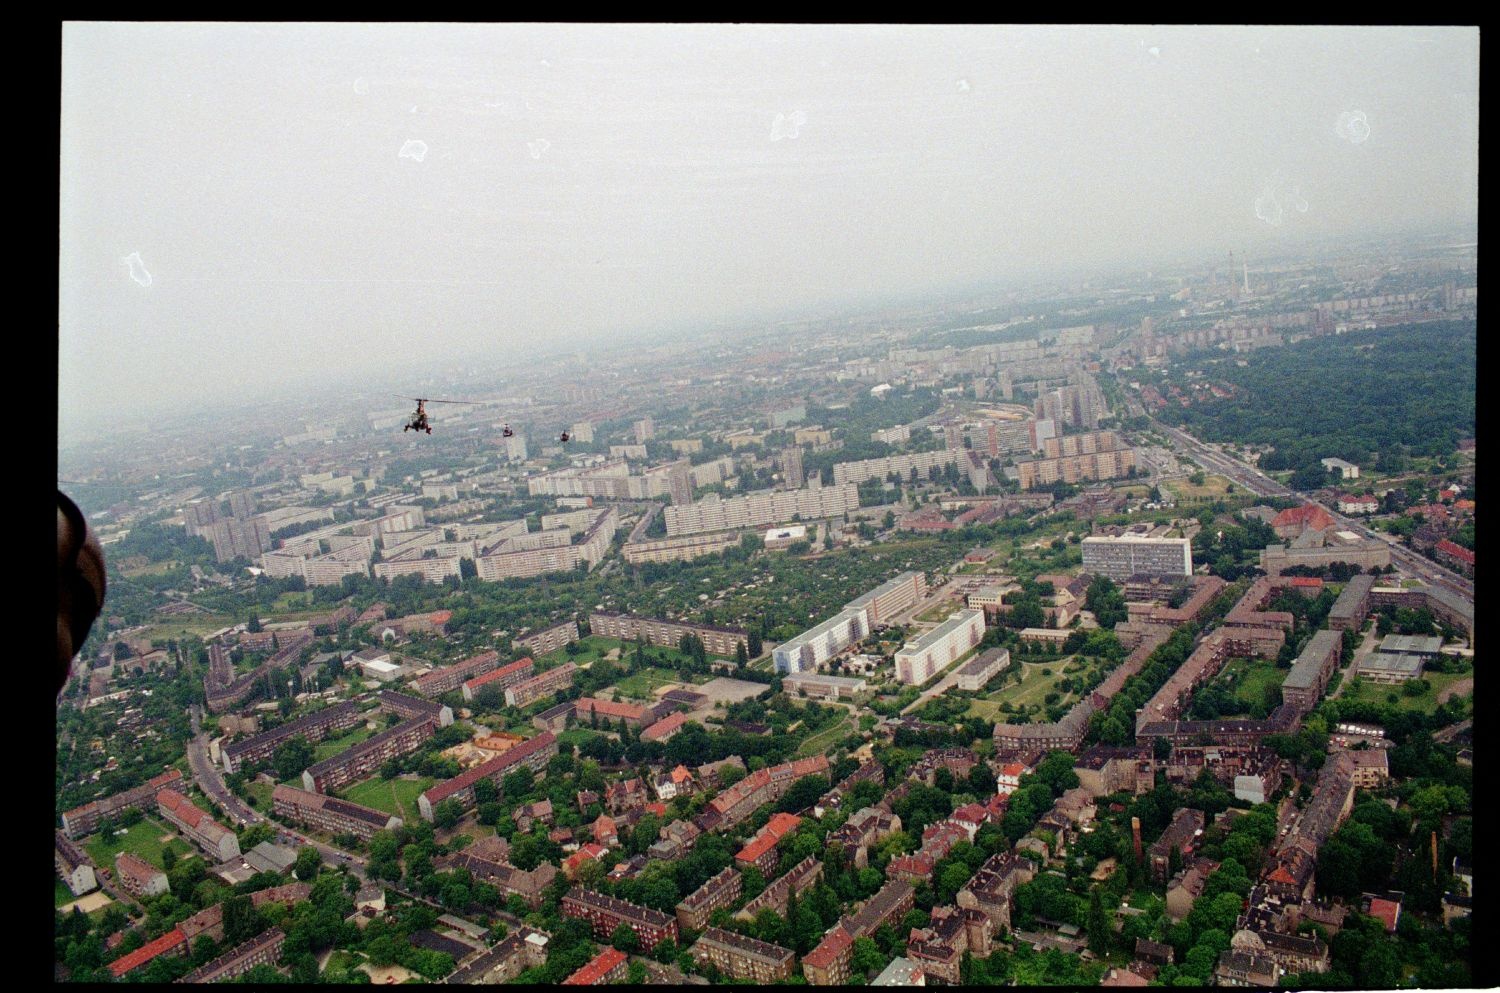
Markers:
<point>1369,397</point>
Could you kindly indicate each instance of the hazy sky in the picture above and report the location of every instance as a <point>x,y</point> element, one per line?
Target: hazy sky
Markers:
<point>241,204</point>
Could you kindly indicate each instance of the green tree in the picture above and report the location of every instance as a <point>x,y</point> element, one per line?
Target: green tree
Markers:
<point>625,939</point>
<point>307,864</point>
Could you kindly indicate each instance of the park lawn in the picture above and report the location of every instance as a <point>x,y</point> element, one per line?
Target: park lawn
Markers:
<point>1426,703</point>
<point>590,649</point>
<point>262,792</point>
<point>1254,676</point>
<point>143,840</point>
<point>1032,689</point>
<point>61,893</point>
<point>641,685</point>
<point>343,960</point>
<point>394,796</point>
<point>576,736</point>
<point>329,748</point>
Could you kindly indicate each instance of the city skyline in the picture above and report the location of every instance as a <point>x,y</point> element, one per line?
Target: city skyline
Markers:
<point>242,202</point>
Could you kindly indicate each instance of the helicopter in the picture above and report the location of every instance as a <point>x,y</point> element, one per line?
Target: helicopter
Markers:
<point>418,420</point>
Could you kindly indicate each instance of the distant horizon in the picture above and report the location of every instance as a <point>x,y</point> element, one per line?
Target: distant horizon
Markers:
<point>244,205</point>
<point>316,382</point>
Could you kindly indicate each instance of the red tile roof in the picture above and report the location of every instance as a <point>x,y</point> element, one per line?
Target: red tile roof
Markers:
<point>1310,516</point>
<point>665,727</point>
<point>1312,582</point>
<point>1387,911</point>
<point>781,825</point>
<point>606,708</point>
<point>758,846</point>
<point>146,952</point>
<point>592,973</point>
<point>833,945</point>
<point>180,805</point>
<point>1457,551</point>
<point>500,673</point>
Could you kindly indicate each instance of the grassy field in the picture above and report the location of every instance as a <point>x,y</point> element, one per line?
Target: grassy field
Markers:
<point>186,625</point>
<point>1254,676</point>
<point>1213,486</point>
<point>1031,690</point>
<point>394,796</point>
<point>61,893</point>
<point>591,649</point>
<point>143,840</point>
<point>262,793</point>
<point>576,736</point>
<point>640,685</point>
<point>824,740</point>
<point>328,749</point>
<point>1368,692</point>
<point>942,611</point>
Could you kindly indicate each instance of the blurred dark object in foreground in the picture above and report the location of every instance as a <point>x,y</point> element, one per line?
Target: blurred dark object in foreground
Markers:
<point>80,583</point>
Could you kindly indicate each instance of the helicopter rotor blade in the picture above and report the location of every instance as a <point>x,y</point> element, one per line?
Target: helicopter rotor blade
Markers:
<point>469,402</point>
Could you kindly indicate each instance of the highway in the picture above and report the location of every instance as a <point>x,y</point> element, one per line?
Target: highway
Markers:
<point>1245,475</point>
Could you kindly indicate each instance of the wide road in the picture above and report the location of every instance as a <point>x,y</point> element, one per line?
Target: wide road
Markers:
<point>1247,476</point>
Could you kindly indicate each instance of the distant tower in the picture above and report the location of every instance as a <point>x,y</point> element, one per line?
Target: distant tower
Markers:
<point>1246,264</point>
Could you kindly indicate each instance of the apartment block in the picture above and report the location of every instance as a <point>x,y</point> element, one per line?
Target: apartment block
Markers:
<point>739,801</point>
<point>408,707</point>
<point>1076,468</point>
<point>1304,685</point>
<point>504,677</point>
<point>217,841</point>
<point>778,892</point>
<point>440,681</point>
<point>263,949</point>
<point>719,891</point>
<point>509,880</point>
<point>828,963</point>
<point>72,865</point>
<point>83,819</point>
<point>902,465</point>
<point>330,814</point>
<point>533,754</point>
<point>713,513</point>
<point>314,727</point>
<point>139,877</point>
<point>973,674</point>
<point>740,957</point>
<point>683,549</point>
<point>605,913</point>
<point>1125,556</point>
<point>919,660</point>
<point>1181,834</point>
<point>719,641</point>
<point>362,760</point>
<point>551,639</point>
<point>541,685</point>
